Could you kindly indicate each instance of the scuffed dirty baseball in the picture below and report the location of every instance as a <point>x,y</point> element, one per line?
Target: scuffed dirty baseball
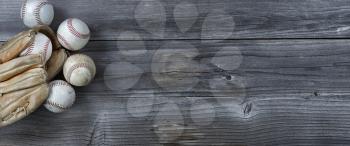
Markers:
<point>42,45</point>
<point>37,12</point>
<point>79,70</point>
<point>61,97</point>
<point>73,34</point>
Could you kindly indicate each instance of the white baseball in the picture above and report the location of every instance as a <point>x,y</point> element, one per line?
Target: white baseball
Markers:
<point>61,97</point>
<point>73,34</point>
<point>79,70</point>
<point>37,12</point>
<point>41,45</point>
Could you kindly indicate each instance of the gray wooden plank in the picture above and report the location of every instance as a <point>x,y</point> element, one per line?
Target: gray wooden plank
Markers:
<point>195,19</point>
<point>284,92</point>
<point>262,66</point>
<point>284,121</point>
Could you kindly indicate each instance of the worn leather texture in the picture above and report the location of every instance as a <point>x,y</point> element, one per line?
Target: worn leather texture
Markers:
<point>15,106</point>
<point>55,63</point>
<point>25,80</point>
<point>14,46</point>
<point>19,65</point>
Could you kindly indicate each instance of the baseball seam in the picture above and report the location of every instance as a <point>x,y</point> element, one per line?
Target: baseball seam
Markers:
<point>74,67</point>
<point>29,49</point>
<point>37,12</point>
<point>60,37</point>
<point>59,83</point>
<point>74,31</point>
<point>46,46</point>
<point>24,9</point>
<point>56,105</point>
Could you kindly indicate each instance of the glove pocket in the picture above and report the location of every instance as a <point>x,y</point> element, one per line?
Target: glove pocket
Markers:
<point>50,34</point>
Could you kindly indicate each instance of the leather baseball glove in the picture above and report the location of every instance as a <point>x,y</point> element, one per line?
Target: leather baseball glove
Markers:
<point>56,62</point>
<point>23,80</point>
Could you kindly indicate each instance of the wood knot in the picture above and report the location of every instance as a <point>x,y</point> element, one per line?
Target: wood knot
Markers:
<point>228,77</point>
<point>247,109</point>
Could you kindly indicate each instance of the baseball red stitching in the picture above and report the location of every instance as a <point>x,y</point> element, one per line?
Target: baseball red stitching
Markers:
<point>24,9</point>
<point>53,84</point>
<point>58,83</point>
<point>29,50</point>
<point>74,31</point>
<point>60,37</point>
<point>56,105</point>
<point>37,12</point>
<point>74,67</point>
<point>46,46</point>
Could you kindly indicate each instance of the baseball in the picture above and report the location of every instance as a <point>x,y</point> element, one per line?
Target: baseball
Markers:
<point>37,12</point>
<point>61,96</point>
<point>41,45</point>
<point>79,70</point>
<point>73,34</point>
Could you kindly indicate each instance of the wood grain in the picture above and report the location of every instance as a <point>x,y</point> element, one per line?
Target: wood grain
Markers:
<point>252,19</point>
<point>201,72</point>
<point>268,66</point>
<point>295,93</point>
<point>284,121</point>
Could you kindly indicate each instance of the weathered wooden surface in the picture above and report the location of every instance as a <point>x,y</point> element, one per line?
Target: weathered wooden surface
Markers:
<point>180,82</point>
<point>268,67</point>
<point>252,18</point>
<point>290,92</point>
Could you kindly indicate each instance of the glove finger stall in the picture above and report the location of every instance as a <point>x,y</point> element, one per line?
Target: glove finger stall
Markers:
<point>19,65</point>
<point>25,80</point>
<point>13,47</point>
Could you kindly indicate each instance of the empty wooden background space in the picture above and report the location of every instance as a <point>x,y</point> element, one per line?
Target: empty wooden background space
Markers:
<point>201,72</point>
